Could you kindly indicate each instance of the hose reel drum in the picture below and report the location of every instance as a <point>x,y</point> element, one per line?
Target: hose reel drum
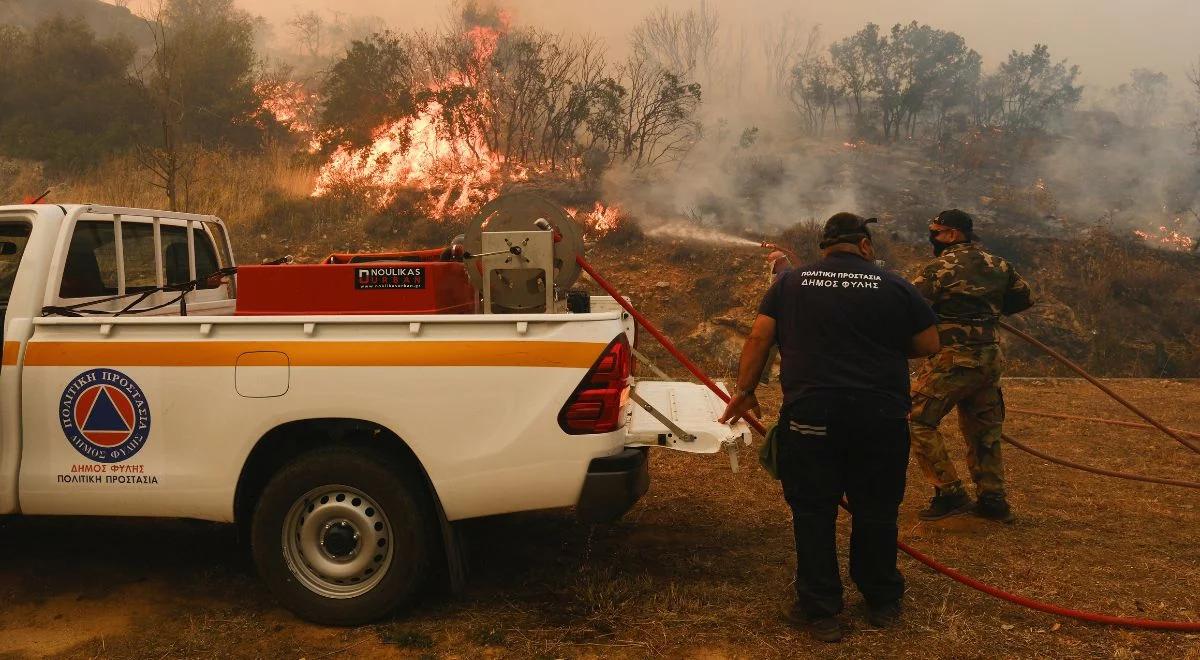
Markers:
<point>525,250</point>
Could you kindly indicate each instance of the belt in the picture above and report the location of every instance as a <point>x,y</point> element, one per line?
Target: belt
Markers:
<point>989,321</point>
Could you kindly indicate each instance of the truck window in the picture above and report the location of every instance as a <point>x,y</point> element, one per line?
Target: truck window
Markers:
<point>13,238</point>
<point>175,255</point>
<point>137,241</point>
<point>91,268</point>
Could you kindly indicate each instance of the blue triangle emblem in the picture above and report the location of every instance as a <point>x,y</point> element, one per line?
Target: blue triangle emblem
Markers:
<point>104,416</point>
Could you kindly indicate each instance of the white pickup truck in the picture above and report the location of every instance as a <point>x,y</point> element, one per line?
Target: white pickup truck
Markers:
<point>345,446</point>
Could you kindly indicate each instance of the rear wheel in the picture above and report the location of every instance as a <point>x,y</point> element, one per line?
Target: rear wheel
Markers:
<point>343,536</point>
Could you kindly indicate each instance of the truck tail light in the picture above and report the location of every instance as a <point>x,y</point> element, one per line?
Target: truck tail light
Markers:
<point>597,404</point>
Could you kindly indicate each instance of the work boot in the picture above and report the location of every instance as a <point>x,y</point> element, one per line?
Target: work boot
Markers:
<point>944,504</point>
<point>995,507</point>
<point>884,616</point>
<point>825,629</point>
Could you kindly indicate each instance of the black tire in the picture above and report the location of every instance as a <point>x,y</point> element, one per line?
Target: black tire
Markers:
<point>403,504</point>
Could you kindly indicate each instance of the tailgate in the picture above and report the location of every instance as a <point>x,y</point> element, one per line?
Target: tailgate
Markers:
<point>681,416</point>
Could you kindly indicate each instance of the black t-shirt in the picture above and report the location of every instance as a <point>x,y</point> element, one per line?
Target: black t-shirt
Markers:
<point>844,327</point>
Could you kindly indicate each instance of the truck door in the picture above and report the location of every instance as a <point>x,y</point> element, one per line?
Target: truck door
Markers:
<point>14,236</point>
<point>94,416</point>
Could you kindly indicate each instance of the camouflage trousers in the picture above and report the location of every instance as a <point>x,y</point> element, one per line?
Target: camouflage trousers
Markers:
<point>969,379</point>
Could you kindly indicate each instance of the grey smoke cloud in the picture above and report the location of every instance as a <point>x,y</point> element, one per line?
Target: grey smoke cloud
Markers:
<point>1106,38</point>
<point>1133,183</point>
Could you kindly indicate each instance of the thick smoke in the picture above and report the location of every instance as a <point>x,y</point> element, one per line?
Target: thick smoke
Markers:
<point>1125,160</point>
<point>750,170</point>
<point>747,168</point>
<point>1106,37</point>
<point>1125,171</point>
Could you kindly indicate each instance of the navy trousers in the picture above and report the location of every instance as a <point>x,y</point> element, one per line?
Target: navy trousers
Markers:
<point>824,457</point>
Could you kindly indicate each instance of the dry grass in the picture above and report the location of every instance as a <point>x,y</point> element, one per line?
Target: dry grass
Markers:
<point>236,187</point>
<point>698,569</point>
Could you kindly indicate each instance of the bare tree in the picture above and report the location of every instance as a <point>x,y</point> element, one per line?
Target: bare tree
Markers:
<point>658,123</point>
<point>736,65</point>
<point>785,44</point>
<point>1194,78</point>
<point>308,28</point>
<point>169,161</point>
<point>685,44</point>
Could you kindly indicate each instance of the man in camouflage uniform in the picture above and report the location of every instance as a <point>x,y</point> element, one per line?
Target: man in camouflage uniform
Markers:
<point>969,289</point>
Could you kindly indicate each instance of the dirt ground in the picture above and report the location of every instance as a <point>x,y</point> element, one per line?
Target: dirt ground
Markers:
<point>700,568</point>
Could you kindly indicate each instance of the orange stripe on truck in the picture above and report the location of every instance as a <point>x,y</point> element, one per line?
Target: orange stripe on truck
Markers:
<point>579,355</point>
<point>11,350</point>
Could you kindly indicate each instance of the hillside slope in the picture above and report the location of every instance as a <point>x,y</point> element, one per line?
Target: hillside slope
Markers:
<point>107,20</point>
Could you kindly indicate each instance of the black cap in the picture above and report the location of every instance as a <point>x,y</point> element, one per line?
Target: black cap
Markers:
<point>957,219</point>
<point>845,228</point>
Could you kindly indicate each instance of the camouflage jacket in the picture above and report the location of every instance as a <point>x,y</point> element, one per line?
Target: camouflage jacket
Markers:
<point>970,289</point>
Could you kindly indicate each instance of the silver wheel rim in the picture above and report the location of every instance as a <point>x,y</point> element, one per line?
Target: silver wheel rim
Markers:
<point>337,541</point>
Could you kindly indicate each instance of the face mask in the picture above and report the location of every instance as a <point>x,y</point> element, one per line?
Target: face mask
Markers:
<point>938,246</point>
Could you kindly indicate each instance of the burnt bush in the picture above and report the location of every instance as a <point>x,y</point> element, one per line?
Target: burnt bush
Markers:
<point>625,234</point>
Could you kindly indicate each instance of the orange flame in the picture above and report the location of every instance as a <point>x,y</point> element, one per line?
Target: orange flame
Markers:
<point>458,172</point>
<point>600,220</point>
<point>415,153</point>
<point>289,103</point>
<point>1168,238</point>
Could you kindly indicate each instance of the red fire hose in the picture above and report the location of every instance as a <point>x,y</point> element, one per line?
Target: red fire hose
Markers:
<point>1100,420</point>
<point>913,552</point>
<point>1103,388</point>
<point>1177,434</point>
<point>1095,470</point>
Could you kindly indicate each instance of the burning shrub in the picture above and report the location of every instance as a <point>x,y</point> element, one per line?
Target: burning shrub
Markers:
<point>288,101</point>
<point>1172,239</point>
<point>624,234</point>
<point>606,223</point>
<point>371,86</point>
<point>461,114</point>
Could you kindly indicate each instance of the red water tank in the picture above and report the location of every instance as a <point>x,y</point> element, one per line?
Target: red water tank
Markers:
<point>418,282</point>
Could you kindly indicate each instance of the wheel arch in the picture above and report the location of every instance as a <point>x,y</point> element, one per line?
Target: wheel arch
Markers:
<point>290,439</point>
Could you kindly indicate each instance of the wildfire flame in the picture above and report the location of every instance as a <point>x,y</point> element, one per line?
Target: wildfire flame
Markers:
<point>415,153</point>
<point>456,170</point>
<point>289,103</point>
<point>600,220</point>
<point>1168,238</point>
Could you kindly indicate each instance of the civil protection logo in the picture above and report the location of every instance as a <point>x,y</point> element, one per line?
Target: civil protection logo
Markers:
<point>104,415</point>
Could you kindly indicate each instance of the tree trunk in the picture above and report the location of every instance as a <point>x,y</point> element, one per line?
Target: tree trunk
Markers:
<point>170,166</point>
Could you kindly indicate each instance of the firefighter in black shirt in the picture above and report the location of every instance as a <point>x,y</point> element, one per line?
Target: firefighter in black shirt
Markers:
<point>845,330</point>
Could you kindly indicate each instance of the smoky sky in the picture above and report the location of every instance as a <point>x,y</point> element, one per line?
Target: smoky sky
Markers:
<point>1107,38</point>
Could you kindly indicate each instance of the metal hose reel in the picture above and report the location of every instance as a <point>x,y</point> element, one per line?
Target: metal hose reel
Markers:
<point>525,249</point>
